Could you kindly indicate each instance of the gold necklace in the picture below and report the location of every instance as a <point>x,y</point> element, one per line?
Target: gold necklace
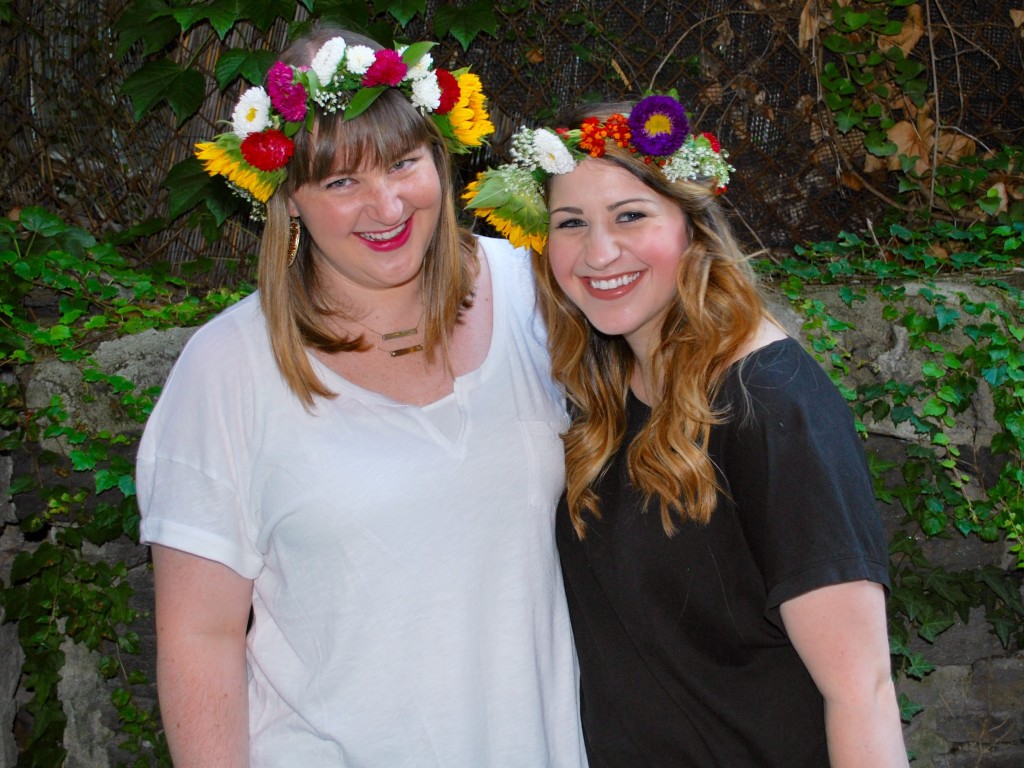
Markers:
<point>391,335</point>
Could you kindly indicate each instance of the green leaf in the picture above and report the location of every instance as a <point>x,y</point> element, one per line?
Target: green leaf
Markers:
<point>403,11</point>
<point>908,708</point>
<point>42,222</point>
<point>148,21</point>
<point>242,62</point>
<point>183,89</point>
<point>222,15</point>
<point>263,13</point>
<point>362,100</point>
<point>878,144</point>
<point>188,185</point>
<point>946,316</point>
<point>464,24</point>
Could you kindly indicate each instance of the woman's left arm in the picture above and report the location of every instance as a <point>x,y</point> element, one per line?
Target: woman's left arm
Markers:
<point>840,633</point>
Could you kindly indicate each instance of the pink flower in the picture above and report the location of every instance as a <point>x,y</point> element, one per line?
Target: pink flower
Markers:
<point>287,96</point>
<point>387,69</point>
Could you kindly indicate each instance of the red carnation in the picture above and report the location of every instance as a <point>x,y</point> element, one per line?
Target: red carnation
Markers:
<point>450,91</point>
<point>387,69</point>
<point>714,141</point>
<point>267,150</point>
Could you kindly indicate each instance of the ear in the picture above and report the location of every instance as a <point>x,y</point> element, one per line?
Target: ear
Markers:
<point>293,210</point>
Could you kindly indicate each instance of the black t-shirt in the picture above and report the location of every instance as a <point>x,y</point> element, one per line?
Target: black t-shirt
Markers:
<point>684,661</point>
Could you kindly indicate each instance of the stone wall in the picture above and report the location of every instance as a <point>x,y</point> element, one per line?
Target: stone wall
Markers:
<point>974,700</point>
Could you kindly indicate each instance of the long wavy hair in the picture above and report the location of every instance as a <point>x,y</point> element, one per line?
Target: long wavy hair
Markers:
<point>717,309</point>
<point>294,301</point>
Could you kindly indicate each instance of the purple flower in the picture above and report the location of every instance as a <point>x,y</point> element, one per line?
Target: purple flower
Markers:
<point>659,125</point>
<point>287,96</point>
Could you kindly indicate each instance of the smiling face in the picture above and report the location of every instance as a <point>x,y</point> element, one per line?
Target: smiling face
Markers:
<point>371,227</point>
<point>615,246</point>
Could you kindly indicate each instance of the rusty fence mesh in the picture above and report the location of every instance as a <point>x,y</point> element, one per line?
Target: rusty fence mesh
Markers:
<point>70,142</point>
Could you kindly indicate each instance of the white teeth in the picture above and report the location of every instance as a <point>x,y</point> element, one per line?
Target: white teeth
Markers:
<point>380,237</point>
<point>618,282</point>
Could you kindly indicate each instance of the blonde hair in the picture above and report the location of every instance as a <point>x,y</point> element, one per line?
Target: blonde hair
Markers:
<point>293,300</point>
<point>717,309</point>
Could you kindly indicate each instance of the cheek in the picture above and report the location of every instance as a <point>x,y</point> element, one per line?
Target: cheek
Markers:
<point>561,262</point>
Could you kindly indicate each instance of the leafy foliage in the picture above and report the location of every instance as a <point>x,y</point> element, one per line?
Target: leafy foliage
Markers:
<point>967,341</point>
<point>61,292</point>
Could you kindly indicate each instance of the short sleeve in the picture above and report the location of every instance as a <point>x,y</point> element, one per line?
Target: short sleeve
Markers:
<point>194,462</point>
<point>796,471</point>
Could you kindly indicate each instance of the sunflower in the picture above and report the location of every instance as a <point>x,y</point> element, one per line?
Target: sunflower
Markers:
<point>469,118</point>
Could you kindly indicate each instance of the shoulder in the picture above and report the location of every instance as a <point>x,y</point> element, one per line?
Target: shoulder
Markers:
<point>227,349</point>
<point>511,272</point>
<point>780,386</point>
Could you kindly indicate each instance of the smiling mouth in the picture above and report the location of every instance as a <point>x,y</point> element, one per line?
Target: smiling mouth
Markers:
<point>383,237</point>
<point>613,283</point>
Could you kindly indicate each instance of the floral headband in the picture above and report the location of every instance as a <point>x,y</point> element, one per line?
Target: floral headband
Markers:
<point>511,197</point>
<point>254,155</point>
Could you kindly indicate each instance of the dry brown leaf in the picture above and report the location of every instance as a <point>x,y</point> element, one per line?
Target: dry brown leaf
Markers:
<point>953,146</point>
<point>725,35</point>
<point>808,23</point>
<point>755,5</point>
<point>938,251</point>
<point>535,56</point>
<point>851,180</point>
<point>873,163</point>
<point>911,32</point>
<point>910,143</point>
<point>1017,17</point>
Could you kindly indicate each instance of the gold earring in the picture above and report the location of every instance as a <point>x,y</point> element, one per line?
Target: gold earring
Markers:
<point>294,235</point>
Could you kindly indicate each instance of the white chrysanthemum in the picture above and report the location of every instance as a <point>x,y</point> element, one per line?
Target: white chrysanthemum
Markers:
<point>252,112</point>
<point>328,59</point>
<point>551,153</point>
<point>426,93</point>
<point>421,68</point>
<point>359,58</point>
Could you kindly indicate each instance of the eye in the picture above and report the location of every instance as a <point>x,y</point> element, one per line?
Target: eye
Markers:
<point>339,183</point>
<point>570,224</point>
<point>405,163</point>
<point>627,216</point>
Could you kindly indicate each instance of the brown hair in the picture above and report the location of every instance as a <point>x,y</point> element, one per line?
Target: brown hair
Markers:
<point>293,300</point>
<point>717,309</point>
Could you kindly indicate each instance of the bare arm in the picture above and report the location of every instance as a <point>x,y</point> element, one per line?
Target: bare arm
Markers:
<point>202,608</point>
<point>840,633</point>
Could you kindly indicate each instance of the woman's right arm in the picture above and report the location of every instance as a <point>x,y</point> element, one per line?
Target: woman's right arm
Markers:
<point>202,608</point>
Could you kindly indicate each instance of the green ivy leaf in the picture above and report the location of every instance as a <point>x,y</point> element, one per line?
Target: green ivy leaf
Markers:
<point>242,62</point>
<point>403,11</point>
<point>465,24</point>
<point>946,316</point>
<point>183,89</point>
<point>878,144</point>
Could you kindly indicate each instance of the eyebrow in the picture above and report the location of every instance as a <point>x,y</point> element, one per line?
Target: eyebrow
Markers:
<point>612,207</point>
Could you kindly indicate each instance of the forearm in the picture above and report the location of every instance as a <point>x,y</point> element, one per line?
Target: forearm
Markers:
<point>203,694</point>
<point>866,733</point>
<point>201,612</point>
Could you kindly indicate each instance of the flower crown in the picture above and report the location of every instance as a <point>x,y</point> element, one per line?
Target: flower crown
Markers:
<point>511,197</point>
<point>254,155</point>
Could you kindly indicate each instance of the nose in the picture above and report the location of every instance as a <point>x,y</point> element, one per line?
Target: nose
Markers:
<point>385,204</point>
<point>601,250</point>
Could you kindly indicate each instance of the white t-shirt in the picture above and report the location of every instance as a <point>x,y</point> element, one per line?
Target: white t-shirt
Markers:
<point>409,608</point>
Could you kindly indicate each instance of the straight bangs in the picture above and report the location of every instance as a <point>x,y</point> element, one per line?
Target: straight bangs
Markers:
<point>388,131</point>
